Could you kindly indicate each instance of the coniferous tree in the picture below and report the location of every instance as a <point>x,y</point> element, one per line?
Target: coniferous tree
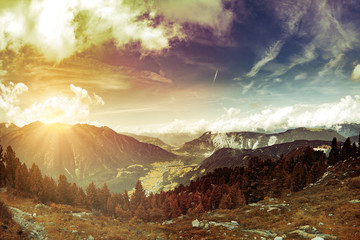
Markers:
<point>92,196</point>
<point>80,198</point>
<point>11,162</point>
<point>48,193</point>
<point>63,190</point>
<point>103,195</point>
<point>35,179</point>
<point>225,202</point>
<point>138,196</point>
<point>298,177</point>
<point>358,152</point>
<point>354,150</point>
<point>2,168</point>
<point>346,149</point>
<point>22,178</point>
<point>334,152</point>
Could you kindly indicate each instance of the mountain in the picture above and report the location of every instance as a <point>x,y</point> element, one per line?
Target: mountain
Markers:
<point>151,140</point>
<point>229,157</point>
<point>210,142</point>
<point>347,129</point>
<point>82,152</point>
<point>6,128</point>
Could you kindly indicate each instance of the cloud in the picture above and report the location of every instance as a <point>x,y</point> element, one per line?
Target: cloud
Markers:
<point>271,118</point>
<point>334,63</point>
<point>356,73</point>
<point>61,28</point>
<point>316,20</point>
<point>210,14</point>
<point>270,54</point>
<point>300,76</point>
<point>54,109</point>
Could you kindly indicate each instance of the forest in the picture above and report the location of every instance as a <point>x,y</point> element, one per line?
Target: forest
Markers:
<point>225,188</point>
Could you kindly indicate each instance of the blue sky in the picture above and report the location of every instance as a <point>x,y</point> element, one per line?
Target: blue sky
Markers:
<point>181,66</point>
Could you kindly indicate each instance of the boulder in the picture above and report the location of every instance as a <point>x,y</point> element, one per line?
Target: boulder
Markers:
<point>195,223</point>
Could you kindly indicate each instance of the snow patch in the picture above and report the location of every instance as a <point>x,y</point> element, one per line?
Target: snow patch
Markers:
<point>272,140</point>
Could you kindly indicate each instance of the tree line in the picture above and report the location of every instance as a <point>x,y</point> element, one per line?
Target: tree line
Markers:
<point>224,188</point>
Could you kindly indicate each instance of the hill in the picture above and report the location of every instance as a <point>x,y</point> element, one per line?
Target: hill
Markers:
<point>328,209</point>
<point>84,153</point>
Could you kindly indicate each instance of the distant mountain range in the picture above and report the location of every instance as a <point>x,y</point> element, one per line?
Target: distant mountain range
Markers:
<point>229,157</point>
<point>210,142</point>
<point>151,140</point>
<point>347,129</point>
<point>86,153</point>
<point>82,152</point>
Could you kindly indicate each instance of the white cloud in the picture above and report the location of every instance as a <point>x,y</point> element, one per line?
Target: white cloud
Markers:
<point>206,13</point>
<point>58,29</point>
<point>334,63</point>
<point>272,118</point>
<point>356,73</point>
<point>270,54</point>
<point>300,76</point>
<point>55,109</point>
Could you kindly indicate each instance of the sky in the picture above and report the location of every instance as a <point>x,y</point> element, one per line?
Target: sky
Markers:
<point>181,66</point>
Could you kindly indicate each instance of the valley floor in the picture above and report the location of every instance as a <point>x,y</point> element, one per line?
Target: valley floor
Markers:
<point>329,209</point>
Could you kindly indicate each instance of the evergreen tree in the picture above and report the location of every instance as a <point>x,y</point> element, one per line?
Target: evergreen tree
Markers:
<point>2,168</point>
<point>21,178</point>
<point>63,190</point>
<point>36,180</point>
<point>48,193</point>
<point>225,202</point>
<point>358,152</point>
<point>138,196</point>
<point>334,152</point>
<point>354,150</point>
<point>80,198</point>
<point>346,149</point>
<point>298,177</point>
<point>11,162</point>
<point>103,195</point>
<point>141,212</point>
<point>92,196</point>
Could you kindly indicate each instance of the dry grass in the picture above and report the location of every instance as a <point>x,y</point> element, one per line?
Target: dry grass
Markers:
<point>325,206</point>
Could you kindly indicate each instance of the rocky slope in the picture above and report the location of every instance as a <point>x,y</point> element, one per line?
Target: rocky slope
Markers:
<point>84,153</point>
<point>229,157</point>
<point>210,142</point>
<point>347,129</point>
<point>327,209</point>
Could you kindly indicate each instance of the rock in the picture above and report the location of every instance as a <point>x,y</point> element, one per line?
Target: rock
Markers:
<point>264,233</point>
<point>304,234</point>
<point>195,223</point>
<point>235,223</point>
<point>317,238</point>
<point>40,205</point>
<point>355,201</point>
<point>321,224</point>
<point>166,222</point>
<point>74,231</point>
<point>207,225</point>
<point>278,238</point>
<point>272,208</point>
<point>90,237</point>
<point>306,228</point>
<point>34,214</point>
